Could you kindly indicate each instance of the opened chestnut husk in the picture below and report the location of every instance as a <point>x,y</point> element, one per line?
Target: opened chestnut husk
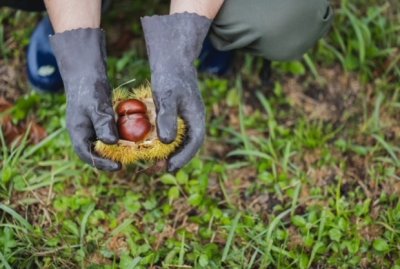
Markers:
<point>136,121</point>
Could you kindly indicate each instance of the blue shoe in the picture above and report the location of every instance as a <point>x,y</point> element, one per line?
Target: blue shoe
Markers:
<point>213,61</point>
<point>43,72</point>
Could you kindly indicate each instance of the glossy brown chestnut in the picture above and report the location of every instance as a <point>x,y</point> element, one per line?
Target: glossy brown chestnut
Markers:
<point>131,106</point>
<point>134,127</point>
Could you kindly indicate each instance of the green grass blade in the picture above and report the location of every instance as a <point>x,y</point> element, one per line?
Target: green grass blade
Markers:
<point>286,156</point>
<point>271,116</point>
<point>282,252</point>
<point>244,136</point>
<point>83,229</point>
<point>251,153</point>
<point>16,216</point>
<point>3,145</point>
<point>376,115</point>
<point>42,143</point>
<point>388,148</point>
<point>21,146</point>
<point>122,226</point>
<point>317,244</point>
<point>336,52</point>
<point>134,263</point>
<point>359,35</point>
<point>181,260</point>
<point>4,262</point>
<point>271,228</point>
<point>48,179</point>
<point>295,198</point>
<point>231,235</point>
<point>252,259</point>
<point>311,66</point>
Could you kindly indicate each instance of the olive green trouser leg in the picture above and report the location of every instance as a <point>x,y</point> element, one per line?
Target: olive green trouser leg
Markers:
<point>274,29</point>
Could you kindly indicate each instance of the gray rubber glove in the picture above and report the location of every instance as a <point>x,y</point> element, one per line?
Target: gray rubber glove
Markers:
<point>81,58</point>
<point>173,43</point>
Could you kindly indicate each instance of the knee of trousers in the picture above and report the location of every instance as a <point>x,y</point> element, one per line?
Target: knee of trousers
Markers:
<point>38,5</point>
<point>27,5</point>
<point>275,29</point>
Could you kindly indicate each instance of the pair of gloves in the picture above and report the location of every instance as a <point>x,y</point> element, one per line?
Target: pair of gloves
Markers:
<point>173,43</point>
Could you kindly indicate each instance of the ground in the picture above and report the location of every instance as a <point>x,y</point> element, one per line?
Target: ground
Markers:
<point>298,171</point>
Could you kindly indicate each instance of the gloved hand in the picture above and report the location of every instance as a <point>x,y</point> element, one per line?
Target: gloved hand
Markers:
<point>173,43</point>
<point>81,58</point>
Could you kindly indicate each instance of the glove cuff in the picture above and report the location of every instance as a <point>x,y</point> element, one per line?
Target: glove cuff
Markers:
<point>174,40</point>
<point>81,53</point>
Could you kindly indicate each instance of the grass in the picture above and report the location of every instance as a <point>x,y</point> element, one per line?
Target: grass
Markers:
<point>302,172</point>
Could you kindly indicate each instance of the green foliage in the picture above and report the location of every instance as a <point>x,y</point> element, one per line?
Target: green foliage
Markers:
<point>272,187</point>
<point>363,39</point>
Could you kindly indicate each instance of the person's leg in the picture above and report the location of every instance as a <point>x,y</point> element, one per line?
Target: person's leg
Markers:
<point>42,68</point>
<point>213,61</point>
<point>273,29</point>
<point>28,5</point>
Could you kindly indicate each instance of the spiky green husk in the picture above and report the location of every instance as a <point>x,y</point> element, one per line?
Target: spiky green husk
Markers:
<point>152,148</point>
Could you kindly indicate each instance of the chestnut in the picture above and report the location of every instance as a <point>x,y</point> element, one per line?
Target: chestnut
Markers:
<point>131,106</point>
<point>133,123</point>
